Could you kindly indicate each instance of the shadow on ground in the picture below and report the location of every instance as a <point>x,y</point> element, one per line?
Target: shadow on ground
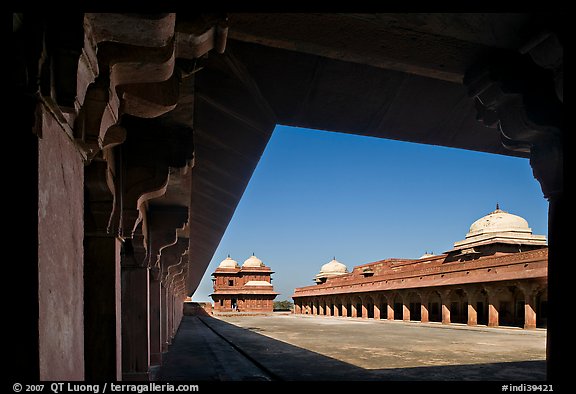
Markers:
<point>193,357</point>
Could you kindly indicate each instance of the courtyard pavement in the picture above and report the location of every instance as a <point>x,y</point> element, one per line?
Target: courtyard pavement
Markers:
<point>288,347</point>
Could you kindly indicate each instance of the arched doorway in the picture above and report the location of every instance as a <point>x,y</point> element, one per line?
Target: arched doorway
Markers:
<point>458,306</point>
<point>435,307</point>
<point>398,307</point>
<point>414,305</point>
<point>369,305</point>
<point>383,302</point>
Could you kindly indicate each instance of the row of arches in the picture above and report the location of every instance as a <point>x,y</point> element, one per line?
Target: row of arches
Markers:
<point>507,304</point>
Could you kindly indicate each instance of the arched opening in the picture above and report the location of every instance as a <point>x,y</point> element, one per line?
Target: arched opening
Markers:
<point>481,302</point>
<point>458,306</point>
<point>506,307</point>
<point>358,305</point>
<point>542,308</point>
<point>383,302</point>
<point>398,307</point>
<point>519,314</point>
<point>369,303</point>
<point>434,307</point>
<point>414,305</point>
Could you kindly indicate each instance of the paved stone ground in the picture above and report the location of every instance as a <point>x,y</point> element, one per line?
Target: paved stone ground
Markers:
<point>314,348</point>
<point>199,354</point>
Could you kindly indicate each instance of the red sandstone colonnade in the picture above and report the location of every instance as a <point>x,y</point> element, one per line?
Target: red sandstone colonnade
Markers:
<point>518,304</point>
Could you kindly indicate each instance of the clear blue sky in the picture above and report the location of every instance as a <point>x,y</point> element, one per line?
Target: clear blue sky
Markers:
<point>316,194</point>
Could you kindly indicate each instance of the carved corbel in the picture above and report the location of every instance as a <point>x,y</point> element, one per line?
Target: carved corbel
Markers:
<point>179,281</point>
<point>143,175</point>
<point>95,128</point>
<point>515,95</point>
<point>135,248</point>
<point>175,271</point>
<point>164,221</point>
<point>172,255</point>
<point>196,37</point>
<point>149,100</point>
<point>99,198</point>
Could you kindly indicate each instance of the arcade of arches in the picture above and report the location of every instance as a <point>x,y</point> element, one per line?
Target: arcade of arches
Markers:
<point>496,276</point>
<point>505,304</point>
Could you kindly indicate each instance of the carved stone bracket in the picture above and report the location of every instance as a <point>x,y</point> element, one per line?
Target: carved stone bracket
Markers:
<point>172,255</point>
<point>164,221</point>
<point>515,95</point>
<point>94,128</point>
<point>99,198</point>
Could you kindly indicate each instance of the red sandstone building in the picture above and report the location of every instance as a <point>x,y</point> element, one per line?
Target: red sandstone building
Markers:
<point>496,276</point>
<point>244,289</point>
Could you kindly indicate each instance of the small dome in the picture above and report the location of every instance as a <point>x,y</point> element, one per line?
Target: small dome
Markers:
<point>228,263</point>
<point>425,255</point>
<point>498,221</point>
<point>253,262</point>
<point>333,267</point>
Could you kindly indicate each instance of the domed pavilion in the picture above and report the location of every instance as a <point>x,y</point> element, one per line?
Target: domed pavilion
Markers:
<point>245,288</point>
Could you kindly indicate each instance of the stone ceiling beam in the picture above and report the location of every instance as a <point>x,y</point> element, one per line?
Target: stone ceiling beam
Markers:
<point>440,46</point>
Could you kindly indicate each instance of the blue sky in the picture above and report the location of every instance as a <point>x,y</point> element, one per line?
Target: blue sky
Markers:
<point>316,195</point>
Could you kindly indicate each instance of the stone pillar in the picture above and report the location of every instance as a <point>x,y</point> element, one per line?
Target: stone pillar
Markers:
<point>390,308</point>
<point>170,317</point>
<point>405,308</point>
<point>376,308</point>
<point>164,318</point>
<point>102,334</point>
<point>364,309</point>
<point>135,323</point>
<point>424,315</point>
<point>155,318</point>
<point>329,308</point>
<point>344,308</point>
<point>314,308</point>
<point>297,308</point>
<point>445,299</point>
<point>557,273</point>
<point>472,312</point>
<point>505,91</point>
<point>529,312</point>
<point>354,309</point>
<point>321,306</point>
<point>529,306</point>
<point>493,320</point>
<point>336,311</point>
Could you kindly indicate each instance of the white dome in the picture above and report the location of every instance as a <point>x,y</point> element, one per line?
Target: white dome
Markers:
<point>498,221</point>
<point>499,227</point>
<point>253,262</point>
<point>333,267</point>
<point>228,263</point>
